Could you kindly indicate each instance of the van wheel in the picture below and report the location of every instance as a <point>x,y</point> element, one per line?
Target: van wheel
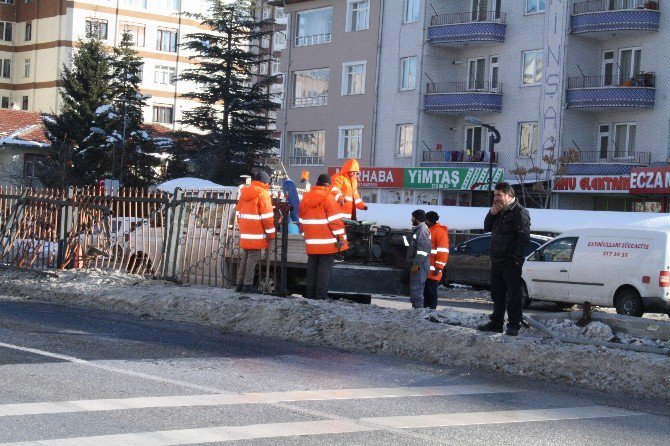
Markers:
<point>524,296</point>
<point>629,303</point>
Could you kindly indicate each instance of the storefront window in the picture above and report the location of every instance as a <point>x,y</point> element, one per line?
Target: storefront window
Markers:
<point>390,196</point>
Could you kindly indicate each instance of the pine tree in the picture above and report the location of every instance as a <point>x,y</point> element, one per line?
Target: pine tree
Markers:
<point>234,99</point>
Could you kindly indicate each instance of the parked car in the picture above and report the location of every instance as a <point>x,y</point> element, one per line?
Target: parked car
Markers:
<point>622,268</point>
<point>470,262</point>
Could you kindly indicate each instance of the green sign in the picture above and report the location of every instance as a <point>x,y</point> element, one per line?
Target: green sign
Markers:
<point>456,178</point>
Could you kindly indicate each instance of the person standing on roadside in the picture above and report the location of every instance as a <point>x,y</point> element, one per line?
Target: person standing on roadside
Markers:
<point>255,218</point>
<point>509,225</point>
<point>419,254</point>
<point>439,254</point>
<point>325,236</point>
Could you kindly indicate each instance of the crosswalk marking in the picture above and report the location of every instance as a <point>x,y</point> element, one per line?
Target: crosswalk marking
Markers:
<point>55,407</point>
<point>324,427</point>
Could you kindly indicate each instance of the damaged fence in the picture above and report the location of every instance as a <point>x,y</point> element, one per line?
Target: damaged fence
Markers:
<point>188,236</point>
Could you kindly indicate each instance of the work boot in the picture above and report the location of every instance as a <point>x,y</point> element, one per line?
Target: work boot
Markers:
<point>239,288</point>
<point>249,289</point>
<point>490,327</point>
<point>512,331</point>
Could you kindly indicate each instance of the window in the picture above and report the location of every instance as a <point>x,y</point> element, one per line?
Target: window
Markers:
<point>164,75</point>
<point>476,74</point>
<point>279,13</point>
<point>26,68</point>
<point>32,165</point>
<point>357,15</point>
<point>163,114</point>
<point>307,148</point>
<point>28,35</point>
<point>529,137</point>
<point>494,74</point>
<point>6,31</point>
<point>560,250</point>
<point>353,78</point>
<point>310,88</point>
<point>24,103</point>
<point>6,68</point>
<point>408,73</point>
<point>169,4</point>
<point>314,27</point>
<point>135,3</point>
<point>263,68</point>
<point>603,140</point>
<point>473,142</point>
<point>629,64</point>
<point>412,11</point>
<point>624,139</point>
<point>136,31</point>
<point>265,42</point>
<point>351,140</point>
<point>405,138</point>
<point>96,28</point>
<point>4,102</point>
<point>532,67</point>
<point>267,13</point>
<point>9,2</point>
<point>167,40</point>
<point>140,72</point>
<point>534,6</point>
<point>275,66</point>
<point>478,246</point>
<point>279,41</point>
<point>608,68</point>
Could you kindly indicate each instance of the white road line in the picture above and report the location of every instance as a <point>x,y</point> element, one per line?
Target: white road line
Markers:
<point>112,369</point>
<point>325,427</point>
<point>54,407</point>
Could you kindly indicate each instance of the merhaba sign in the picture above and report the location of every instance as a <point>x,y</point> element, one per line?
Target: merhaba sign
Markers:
<point>457,178</point>
<point>392,177</point>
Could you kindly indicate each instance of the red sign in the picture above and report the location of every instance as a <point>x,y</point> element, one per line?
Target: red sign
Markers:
<point>378,176</point>
<point>650,180</point>
<point>592,184</point>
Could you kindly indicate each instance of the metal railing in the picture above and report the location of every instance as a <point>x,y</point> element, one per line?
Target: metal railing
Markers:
<point>455,156</point>
<point>612,156</point>
<point>468,17</point>
<point>316,39</point>
<point>614,5</point>
<point>464,87</point>
<point>644,79</point>
<point>305,160</point>
<point>310,101</point>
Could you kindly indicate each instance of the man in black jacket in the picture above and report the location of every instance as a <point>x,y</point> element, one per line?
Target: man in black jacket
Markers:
<point>509,224</point>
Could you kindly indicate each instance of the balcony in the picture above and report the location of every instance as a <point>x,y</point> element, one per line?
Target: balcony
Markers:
<point>305,161</point>
<point>467,28</point>
<point>608,92</point>
<point>316,39</point>
<point>309,101</point>
<point>462,97</point>
<point>455,158</point>
<point>612,157</point>
<point>599,18</point>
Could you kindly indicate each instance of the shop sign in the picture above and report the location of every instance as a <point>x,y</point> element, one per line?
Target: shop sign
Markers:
<point>592,184</point>
<point>377,176</point>
<point>650,180</point>
<point>457,178</point>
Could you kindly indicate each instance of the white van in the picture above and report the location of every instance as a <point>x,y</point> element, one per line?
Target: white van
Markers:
<point>622,268</point>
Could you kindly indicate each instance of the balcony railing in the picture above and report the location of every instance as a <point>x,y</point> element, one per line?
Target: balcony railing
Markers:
<point>455,156</point>
<point>464,87</point>
<point>614,5</point>
<point>316,39</point>
<point>305,160</point>
<point>310,101</point>
<point>644,79</point>
<point>467,17</point>
<point>595,157</point>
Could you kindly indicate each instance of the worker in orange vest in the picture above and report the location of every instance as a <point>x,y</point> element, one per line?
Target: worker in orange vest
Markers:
<point>345,189</point>
<point>325,237</point>
<point>439,255</point>
<point>255,218</point>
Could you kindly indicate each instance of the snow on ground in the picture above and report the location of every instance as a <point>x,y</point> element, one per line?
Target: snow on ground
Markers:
<point>445,337</point>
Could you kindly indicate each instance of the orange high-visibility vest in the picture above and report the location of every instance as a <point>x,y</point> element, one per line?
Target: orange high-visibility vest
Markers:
<point>255,216</point>
<point>346,189</point>
<point>439,251</point>
<point>321,222</point>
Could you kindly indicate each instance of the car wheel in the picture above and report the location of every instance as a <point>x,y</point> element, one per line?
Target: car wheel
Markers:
<point>564,305</point>
<point>629,303</point>
<point>524,296</point>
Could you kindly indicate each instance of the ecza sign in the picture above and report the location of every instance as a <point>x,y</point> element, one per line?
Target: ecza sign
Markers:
<point>650,180</point>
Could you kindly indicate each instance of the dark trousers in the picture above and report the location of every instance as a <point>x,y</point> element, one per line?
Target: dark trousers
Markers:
<point>506,293</point>
<point>319,267</point>
<point>430,294</point>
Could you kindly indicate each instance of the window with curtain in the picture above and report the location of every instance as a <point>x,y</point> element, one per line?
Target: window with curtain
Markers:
<point>357,15</point>
<point>412,11</point>
<point>353,79</point>
<point>310,87</point>
<point>314,27</point>
<point>405,138</point>
<point>408,73</point>
<point>351,140</point>
<point>529,138</point>
<point>307,148</point>
<point>624,139</point>
<point>532,67</point>
<point>629,63</point>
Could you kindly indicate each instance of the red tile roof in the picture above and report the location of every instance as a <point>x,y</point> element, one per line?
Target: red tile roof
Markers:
<point>23,126</point>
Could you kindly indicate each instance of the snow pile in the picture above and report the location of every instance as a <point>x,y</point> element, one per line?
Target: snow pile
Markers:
<point>188,183</point>
<point>346,325</point>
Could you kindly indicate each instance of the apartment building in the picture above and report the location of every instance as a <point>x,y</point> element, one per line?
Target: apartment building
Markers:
<point>37,37</point>
<point>330,66</point>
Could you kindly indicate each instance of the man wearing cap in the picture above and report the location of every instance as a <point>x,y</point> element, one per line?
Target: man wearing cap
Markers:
<point>345,189</point>
<point>439,254</point>
<point>255,218</point>
<point>325,237</point>
<point>419,254</point>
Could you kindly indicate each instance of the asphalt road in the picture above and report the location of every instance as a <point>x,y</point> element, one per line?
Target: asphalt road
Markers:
<point>76,377</point>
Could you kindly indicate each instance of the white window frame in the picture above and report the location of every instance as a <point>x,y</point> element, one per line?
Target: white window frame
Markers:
<point>472,81</point>
<point>537,77</point>
<point>265,41</point>
<point>27,68</point>
<point>403,61</point>
<point>494,85</point>
<point>341,141</point>
<point>345,77</point>
<point>275,66</point>
<point>160,73</point>
<point>601,135</point>
<point>292,148</point>
<point>401,137</point>
<point>6,66</point>
<point>538,11</point>
<point>3,34</point>
<point>406,10</point>
<point>159,39</point>
<point>627,153</point>
<point>139,40</point>
<point>162,108</point>
<point>603,67</point>
<point>316,39</point>
<point>632,60</point>
<point>533,154</point>
<point>309,101</point>
<point>28,31</point>
<point>350,11</point>
<point>482,140</point>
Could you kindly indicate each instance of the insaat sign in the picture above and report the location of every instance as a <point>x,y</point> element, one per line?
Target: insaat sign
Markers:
<point>593,184</point>
<point>650,180</point>
<point>378,176</point>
